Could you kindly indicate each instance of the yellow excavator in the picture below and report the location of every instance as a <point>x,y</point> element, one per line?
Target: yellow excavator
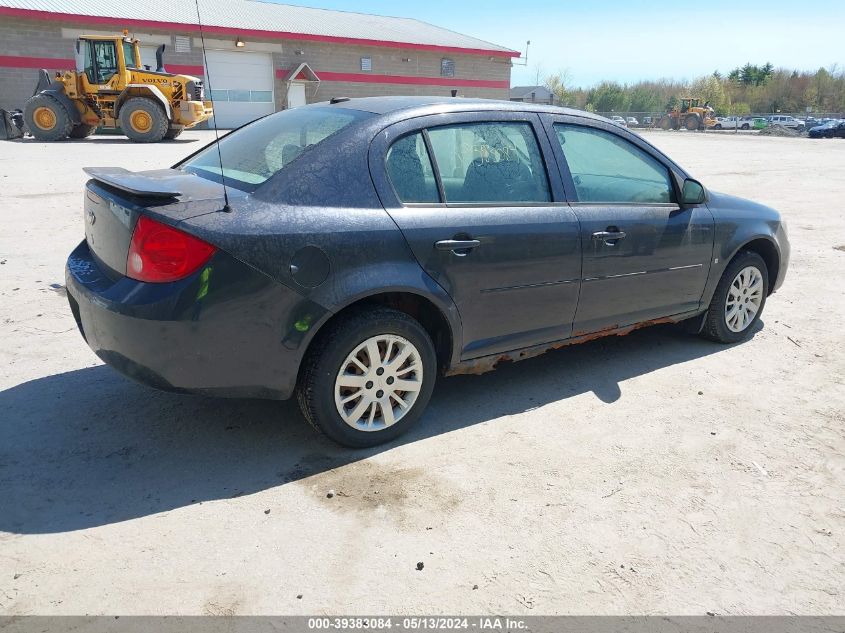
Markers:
<point>110,88</point>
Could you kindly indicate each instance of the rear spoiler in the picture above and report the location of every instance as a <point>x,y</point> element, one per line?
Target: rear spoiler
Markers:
<point>160,183</point>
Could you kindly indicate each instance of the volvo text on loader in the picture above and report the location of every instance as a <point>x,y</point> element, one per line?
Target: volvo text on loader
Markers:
<point>110,88</point>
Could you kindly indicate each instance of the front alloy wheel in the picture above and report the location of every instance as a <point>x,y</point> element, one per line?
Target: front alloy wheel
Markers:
<point>738,300</point>
<point>745,296</point>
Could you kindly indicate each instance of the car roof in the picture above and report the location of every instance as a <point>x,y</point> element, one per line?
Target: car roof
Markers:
<point>417,106</point>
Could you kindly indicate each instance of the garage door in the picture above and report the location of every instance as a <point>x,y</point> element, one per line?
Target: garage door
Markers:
<point>241,86</point>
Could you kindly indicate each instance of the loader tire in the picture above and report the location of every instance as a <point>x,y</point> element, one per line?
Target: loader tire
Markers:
<point>82,131</point>
<point>47,119</point>
<point>143,120</point>
<point>693,122</point>
<point>173,132</point>
<point>666,123</point>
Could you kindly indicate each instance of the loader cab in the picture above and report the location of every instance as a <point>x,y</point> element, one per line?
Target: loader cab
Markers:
<point>100,59</point>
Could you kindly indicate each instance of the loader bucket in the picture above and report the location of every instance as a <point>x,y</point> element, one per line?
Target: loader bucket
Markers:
<point>43,81</point>
<point>11,124</point>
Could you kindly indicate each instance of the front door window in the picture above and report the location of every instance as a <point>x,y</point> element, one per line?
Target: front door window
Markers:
<point>607,168</point>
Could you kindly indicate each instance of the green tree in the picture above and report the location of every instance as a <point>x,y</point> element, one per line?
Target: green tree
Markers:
<point>609,96</point>
<point>556,84</point>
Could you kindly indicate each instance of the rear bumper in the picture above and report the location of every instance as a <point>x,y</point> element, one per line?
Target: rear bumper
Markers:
<point>227,330</point>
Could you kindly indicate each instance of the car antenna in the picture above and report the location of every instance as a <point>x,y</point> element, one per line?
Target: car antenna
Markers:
<point>226,206</point>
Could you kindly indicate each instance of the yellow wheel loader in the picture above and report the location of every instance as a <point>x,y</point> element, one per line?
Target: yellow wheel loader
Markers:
<point>110,88</point>
<point>690,115</point>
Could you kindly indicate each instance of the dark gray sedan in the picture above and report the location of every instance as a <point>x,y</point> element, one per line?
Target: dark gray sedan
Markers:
<point>365,246</point>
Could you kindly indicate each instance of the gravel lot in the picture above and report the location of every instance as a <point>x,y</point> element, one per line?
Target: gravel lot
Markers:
<point>653,473</point>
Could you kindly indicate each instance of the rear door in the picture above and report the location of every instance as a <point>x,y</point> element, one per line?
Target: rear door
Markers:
<point>473,197</point>
<point>644,256</point>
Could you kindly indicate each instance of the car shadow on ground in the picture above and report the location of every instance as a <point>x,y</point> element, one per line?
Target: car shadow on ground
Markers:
<point>88,447</point>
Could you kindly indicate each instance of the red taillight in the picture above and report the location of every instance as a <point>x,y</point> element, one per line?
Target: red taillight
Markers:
<point>160,253</point>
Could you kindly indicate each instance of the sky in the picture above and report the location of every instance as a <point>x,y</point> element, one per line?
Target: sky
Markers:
<point>627,41</point>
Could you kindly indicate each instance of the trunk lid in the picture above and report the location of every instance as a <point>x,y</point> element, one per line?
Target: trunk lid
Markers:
<point>115,198</point>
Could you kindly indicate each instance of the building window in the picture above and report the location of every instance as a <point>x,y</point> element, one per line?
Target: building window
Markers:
<point>366,63</point>
<point>183,44</point>
<point>447,67</point>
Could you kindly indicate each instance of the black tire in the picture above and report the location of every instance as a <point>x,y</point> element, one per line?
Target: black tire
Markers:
<point>138,110</point>
<point>173,132</point>
<point>46,118</point>
<point>745,126</point>
<point>666,123</point>
<point>718,126</point>
<point>693,122</point>
<point>326,357</point>
<point>82,131</point>
<point>715,321</point>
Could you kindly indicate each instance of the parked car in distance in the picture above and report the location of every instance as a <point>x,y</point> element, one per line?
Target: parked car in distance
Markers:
<point>831,129</point>
<point>620,120</point>
<point>786,121</point>
<point>632,122</point>
<point>759,123</point>
<point>812,122</point>
<point>348,252</point>
<point>727,123</point>
<point>648,121</point>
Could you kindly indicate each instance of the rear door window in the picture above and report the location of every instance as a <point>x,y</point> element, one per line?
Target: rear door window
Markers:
<point>490,162</point>
<point>607,168</point>
<point>410,170</point>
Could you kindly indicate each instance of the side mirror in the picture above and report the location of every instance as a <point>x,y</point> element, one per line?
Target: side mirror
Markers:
<point>693,192</point>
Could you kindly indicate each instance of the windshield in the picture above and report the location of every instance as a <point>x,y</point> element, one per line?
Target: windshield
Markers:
<point>254,153</point>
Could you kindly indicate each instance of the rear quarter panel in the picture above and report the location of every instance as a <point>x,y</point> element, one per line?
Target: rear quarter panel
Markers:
<point>325,199</point>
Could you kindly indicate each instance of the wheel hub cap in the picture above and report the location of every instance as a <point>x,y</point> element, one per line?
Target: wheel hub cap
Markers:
<point>141,121</point>
<point>378,382</point>
<point>745,296</point>
<point>44,118</point>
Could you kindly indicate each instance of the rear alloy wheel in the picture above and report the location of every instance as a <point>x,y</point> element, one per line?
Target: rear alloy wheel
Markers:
<point>143,120</point>
<point>739,299</point>
<point>368,378</point>
<point>47,119</point>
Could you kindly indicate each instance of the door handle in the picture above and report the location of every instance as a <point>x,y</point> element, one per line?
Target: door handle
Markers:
<point>456,246</point>
<point>609,237</point>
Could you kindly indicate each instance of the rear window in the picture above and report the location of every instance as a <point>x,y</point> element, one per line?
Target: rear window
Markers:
<point>256,152</point>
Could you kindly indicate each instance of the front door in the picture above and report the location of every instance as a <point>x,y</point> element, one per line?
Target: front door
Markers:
<point>473,198</point>
<point>644,256</point>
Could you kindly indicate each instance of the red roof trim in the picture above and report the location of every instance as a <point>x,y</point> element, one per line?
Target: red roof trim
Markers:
<point>52,63</point>
<point>179,69</point>
<point>225,30</point>
<point>366,78</point>
<point>10,61</point>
